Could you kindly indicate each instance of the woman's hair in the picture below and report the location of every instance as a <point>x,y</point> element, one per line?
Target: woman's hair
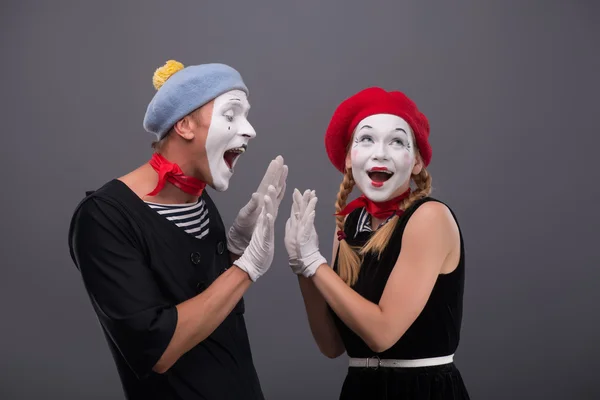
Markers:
<point>349,258</point>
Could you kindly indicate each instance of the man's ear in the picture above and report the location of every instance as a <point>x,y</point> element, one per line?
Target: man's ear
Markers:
<point>185,127</point>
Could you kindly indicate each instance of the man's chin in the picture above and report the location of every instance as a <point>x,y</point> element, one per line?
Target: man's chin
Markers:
<point>221,184</point>
<point>220,188</point>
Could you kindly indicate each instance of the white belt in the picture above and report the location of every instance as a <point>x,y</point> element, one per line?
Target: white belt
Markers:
<point>375,362</point>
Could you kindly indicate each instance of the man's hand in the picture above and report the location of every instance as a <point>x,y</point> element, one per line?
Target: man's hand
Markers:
<point>258,256</point>
<point>241,231</point>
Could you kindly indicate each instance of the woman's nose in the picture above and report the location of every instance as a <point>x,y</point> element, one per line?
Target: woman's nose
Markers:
<point>379,153</point>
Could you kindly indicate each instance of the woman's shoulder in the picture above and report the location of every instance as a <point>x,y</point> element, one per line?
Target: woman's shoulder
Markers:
<point>431,219</point>
<point>434,207</point>
<point>430,208</point>
<point>429,213</point>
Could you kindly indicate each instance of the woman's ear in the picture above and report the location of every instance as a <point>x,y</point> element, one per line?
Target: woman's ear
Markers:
<point>348,161</point>
<point>418,167</point>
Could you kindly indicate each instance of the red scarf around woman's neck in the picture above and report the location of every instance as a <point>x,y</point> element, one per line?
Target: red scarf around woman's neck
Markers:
<point>381,210</point>
<point>172,173</point>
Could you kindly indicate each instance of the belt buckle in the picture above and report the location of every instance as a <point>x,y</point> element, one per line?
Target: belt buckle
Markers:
<point>378,362</point>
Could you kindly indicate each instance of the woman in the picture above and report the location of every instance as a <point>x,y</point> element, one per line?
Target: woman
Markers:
<point>393,298</point>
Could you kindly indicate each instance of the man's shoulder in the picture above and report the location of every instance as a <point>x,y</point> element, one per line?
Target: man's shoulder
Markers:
<point>111,194</point>
<point>108,202</point>
<point>110,189</point>
<point>101,212</point>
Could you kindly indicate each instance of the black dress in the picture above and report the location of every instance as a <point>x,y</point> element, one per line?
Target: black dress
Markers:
<point>434,333</point>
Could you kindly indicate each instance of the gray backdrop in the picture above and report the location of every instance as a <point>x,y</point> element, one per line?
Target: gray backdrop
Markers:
<point>511,90</point>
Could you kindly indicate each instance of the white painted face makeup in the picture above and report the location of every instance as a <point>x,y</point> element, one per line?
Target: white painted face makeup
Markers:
<point>228,136</point>
<point>382,156</point>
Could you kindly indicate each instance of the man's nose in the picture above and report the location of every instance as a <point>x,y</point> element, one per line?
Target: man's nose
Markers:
<point>247,130</point>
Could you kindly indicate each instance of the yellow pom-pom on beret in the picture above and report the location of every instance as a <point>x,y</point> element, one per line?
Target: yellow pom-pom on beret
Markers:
<point>165,72</point>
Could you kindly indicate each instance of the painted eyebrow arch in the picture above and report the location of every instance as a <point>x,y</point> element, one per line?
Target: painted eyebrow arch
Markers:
<point>238,103</point>
<point>400,129</point>
<point>365,126</point>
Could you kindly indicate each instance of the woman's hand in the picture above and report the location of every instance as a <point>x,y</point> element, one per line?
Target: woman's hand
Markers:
<point>299,203</point>
<point>307,240</point>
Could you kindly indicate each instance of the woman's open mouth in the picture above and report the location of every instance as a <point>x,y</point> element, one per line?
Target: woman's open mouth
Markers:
<point>379,175</point>
<point>231,156</point>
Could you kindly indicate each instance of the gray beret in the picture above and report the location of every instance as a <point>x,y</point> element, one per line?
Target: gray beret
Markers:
<point>182,90</point>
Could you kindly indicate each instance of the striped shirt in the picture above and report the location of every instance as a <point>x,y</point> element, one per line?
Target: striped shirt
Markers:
<point>192,218</point>
<point>364,222</point>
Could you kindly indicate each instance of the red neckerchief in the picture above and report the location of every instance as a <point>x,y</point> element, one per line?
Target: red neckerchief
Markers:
<point>382,210</point>
<point>170,172</point>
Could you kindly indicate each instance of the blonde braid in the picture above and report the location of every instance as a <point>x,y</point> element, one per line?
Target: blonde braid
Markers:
<point>423,189</point>
<point>345,189</point>
<point>348,261</point>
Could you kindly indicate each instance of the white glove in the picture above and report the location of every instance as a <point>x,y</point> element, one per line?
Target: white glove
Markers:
<point>299,203</point>
<point>258,256</point>
<point>307,241</point>
<point>241,231</point>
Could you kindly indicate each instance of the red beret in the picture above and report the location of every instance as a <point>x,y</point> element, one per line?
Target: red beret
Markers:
<point>368,102</point>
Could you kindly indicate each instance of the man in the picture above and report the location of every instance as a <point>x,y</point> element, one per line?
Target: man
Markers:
<point>155,257</point>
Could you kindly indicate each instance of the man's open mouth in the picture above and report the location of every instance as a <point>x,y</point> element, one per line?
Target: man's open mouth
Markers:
<point>231,155</point>
<point>379,175</point>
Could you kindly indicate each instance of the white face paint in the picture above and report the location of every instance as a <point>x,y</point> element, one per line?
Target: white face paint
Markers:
<point>382,156</point>
<point>228,136</point>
